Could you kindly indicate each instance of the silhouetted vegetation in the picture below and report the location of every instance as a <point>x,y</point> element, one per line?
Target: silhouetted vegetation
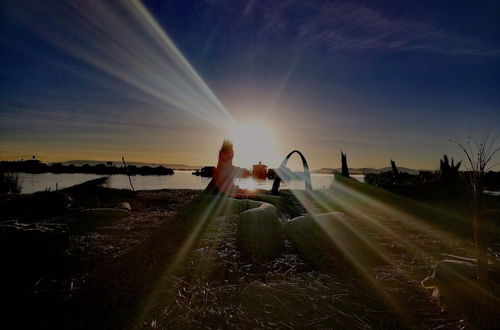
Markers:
<point>447,182</point>
<point>395,171</point>
<point>9,183</point>
<point>449,173</point>
<point>35,166</point>
<point>345,168</point>
<point>479,155</point>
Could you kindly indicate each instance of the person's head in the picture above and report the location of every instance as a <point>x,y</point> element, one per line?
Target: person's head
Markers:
<point>226,152</point>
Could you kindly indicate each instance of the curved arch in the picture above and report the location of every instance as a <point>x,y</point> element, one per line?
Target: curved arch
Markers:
<point>307,175</point>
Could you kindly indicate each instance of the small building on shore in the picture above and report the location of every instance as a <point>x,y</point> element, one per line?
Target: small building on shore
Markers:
<point>259,171</point>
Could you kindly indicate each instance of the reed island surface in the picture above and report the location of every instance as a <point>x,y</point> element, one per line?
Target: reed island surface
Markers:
<point>95,257</point>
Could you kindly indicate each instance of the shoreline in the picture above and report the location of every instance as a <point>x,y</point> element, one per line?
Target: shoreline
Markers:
<point>180,180</point>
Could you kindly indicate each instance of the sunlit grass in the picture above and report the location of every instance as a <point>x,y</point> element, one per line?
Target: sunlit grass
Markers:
<point>346,196</point>
<point>398,246</point>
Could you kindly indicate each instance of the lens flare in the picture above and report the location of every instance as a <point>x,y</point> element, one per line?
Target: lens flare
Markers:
<point>253,142</point>
<point>123,39</point>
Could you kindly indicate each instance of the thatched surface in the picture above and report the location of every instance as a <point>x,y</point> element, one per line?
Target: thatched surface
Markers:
<point>129,272</point>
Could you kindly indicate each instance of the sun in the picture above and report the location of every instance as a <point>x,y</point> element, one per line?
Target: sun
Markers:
<point>253,142</point>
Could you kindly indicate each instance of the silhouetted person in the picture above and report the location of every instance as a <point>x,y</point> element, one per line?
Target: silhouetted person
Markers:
<point>224,174</point>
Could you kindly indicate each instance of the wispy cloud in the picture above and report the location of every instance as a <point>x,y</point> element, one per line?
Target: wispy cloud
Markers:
<point>346,26</point>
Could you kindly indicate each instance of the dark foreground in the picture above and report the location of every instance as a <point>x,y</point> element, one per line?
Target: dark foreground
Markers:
<point>171,264</point>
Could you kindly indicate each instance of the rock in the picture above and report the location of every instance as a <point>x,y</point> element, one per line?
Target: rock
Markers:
<point>327,239</point>
<point>231,206</point>
<point>259,236</point>
<point>455,284</point>
<point>124,206</point>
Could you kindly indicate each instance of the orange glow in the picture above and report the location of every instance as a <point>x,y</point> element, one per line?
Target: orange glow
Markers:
<point>253,142</point>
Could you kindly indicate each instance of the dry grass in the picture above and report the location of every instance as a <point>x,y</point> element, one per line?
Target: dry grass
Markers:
<point>119,275</point>
<point>215,288</point>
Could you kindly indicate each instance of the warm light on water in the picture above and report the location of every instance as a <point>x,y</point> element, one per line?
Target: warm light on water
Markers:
<point>180,180</point>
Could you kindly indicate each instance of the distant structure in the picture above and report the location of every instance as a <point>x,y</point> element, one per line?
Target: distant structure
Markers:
<point>345,168</point>
<point>307,175</point>
<point>259,171</point>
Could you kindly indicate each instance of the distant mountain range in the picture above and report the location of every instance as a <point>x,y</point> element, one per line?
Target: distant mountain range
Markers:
<point>324,170</point>
<point>119,163</point>
<point>365,170</point>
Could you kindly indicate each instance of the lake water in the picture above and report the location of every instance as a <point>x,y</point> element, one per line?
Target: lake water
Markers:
<point>180,180</point>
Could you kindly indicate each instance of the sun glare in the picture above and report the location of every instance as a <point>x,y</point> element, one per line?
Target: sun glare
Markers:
<point>253,142</point>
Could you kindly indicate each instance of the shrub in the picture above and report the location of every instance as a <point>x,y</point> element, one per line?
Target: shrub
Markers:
<point>9,183</point>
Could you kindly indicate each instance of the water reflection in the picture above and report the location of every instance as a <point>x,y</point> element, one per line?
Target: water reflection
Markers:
<point>180,180</point>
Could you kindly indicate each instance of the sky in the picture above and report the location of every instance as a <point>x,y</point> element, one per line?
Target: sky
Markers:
<point>167,81</point>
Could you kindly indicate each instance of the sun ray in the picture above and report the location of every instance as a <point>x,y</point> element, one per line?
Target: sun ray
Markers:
<point>358,266</point>
<point>124,40</point>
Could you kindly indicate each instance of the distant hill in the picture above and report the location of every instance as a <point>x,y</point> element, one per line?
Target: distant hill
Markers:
<point>119,163</point>
<point>324,170</point>
<point>365,170</point>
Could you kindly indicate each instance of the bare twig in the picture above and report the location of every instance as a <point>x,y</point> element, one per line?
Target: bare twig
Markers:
<point>128,174</point>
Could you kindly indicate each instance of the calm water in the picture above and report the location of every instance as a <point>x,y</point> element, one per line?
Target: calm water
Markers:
<point>180,180</point>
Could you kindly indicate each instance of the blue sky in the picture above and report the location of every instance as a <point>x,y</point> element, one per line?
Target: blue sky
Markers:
<point>378,79</point>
